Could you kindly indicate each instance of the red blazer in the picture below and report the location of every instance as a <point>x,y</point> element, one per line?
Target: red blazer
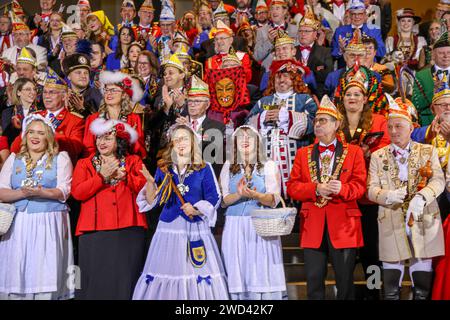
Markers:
<point>379,123</point>
<point>215,62</point>
<point>3,143</point>
<point>106,207</point>
<point>341,213</point>
<point>69,134</point>
<point>133,120</point>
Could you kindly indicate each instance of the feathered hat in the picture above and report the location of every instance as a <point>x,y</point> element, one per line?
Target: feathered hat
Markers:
<point>123,130</point>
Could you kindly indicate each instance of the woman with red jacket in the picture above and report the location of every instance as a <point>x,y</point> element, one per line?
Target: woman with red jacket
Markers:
<point>361,126</point>
<point>110,227</point>
<point>120,92</point>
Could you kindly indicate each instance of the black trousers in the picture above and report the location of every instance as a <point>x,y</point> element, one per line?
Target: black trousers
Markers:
<point>110,263</point>
<point>316,266</point>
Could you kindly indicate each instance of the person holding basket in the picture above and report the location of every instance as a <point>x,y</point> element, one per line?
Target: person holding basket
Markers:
<point>254,264</point>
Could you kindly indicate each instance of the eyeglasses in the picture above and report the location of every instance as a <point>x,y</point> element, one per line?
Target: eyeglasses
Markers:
<point>222,38</point>
<point>196,102</point>
<point>113,90</point>
<point>442,105</point>
<point>51,92</point>
<point>29,90</point>
<point>144,63</point>
<point>306,31</point>
<point>321,121</point>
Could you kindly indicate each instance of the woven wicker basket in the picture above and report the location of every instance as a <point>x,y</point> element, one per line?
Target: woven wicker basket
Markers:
<point>7,212</point>
<point>274,222</point>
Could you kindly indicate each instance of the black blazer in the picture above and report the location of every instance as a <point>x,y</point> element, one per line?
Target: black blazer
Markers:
<point>320,62</point>
<point>209,130</point>
<point>8,129</point>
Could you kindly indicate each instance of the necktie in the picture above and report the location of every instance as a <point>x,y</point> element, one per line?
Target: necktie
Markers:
<point>305,48</point>
<point>52,118</point>
<point>439,72</point>
<point>194,125</point>
<point>331,147</point>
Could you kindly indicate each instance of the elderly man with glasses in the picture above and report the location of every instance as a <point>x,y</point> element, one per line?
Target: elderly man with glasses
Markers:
<point>69,128</point>
<point>22,38</point>
<point>343,34</point>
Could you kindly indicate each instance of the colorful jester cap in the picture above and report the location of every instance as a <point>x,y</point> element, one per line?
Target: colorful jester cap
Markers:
<point>442,89</point>
<point>175,62</point>
<point>398,110</point>
<point>199,88</point>
<point>167,11</point>
<point>26,57</point>
<point>309,19</point>
<point>355,45</point>
<point>327,107</point>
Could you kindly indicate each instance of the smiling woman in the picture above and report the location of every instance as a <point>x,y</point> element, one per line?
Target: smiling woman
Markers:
<point>37,181</point>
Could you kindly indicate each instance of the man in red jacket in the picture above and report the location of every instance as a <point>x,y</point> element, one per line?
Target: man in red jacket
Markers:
<point>328,178</point>
<point>69,128</point>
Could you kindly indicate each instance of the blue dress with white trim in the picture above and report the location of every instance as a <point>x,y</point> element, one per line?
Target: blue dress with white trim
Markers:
<point>168,272</point>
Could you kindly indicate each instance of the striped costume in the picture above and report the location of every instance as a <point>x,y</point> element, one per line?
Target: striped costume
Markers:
<point>292,130</point>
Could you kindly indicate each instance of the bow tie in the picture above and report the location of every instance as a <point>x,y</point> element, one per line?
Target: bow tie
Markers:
<point>439,72</point>
<point>305,48</point>
<point>331,147</point>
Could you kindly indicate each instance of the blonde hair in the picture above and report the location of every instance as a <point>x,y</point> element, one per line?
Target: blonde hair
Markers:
<point>196,152</point>
<point>52,146</point>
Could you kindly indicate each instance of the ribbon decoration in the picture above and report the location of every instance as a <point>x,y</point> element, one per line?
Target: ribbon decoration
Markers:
<point>149,278</point>
<point>207,279</point>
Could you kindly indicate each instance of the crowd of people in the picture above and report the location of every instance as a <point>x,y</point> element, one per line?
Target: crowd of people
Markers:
<point>127,150</point>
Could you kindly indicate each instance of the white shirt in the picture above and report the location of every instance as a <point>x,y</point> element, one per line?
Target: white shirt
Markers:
<point>55,113</point>
<point>199,122</point>
<point>64,170</point>
<point>400,153</point>
<point>305,53</point>
<point>328,153</point>
<point>437,68</point>
<point>339,12</point>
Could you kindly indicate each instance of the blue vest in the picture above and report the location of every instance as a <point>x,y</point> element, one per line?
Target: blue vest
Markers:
<point>244,207</point>
<point>47,178</point>
<point>202,186</point>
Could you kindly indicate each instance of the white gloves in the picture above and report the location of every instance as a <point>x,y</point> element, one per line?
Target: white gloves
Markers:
<point>416,207</point>
<point>396,196</point>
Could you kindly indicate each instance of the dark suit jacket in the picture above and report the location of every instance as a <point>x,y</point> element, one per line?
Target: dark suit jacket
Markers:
<point>8,129</point>
<point>213,137</point>
<point>320,62</point>
<point>207,48</point>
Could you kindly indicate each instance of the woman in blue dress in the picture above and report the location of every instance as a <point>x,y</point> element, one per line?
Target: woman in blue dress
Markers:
<point>183,262</point>
<point>254,264</point>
